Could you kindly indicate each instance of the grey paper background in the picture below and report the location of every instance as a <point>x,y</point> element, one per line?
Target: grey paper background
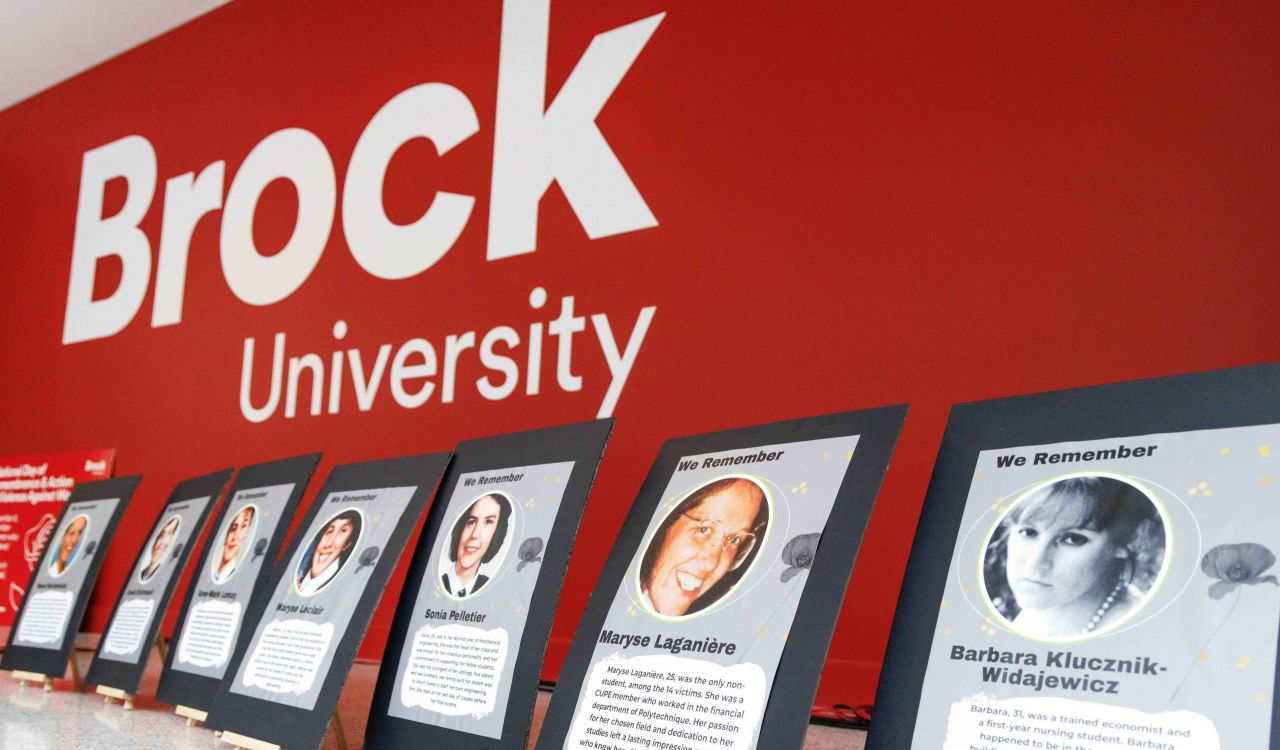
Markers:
<point>99,513</point>
<point>757,615</point>
<point>188,511</point>
<point>1218,487</point>
<point>504,599</point>
<point>339,597</point>
<point>239,587</point>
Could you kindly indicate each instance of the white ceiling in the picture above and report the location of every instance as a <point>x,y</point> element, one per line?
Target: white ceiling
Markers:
<point>45,42</point>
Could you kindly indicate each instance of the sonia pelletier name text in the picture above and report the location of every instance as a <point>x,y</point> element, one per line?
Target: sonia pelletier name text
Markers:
<point>456,615</point>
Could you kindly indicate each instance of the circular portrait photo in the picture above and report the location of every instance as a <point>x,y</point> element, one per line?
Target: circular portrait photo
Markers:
<point>160,548</point>
<point>233,544</point>
<point>328,552</point>
<point>1075,558</point>
<point>704,547</point>
<point>68,548</point>
<point>477,545</point>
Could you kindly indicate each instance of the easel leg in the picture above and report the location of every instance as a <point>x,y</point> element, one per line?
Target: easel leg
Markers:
<point>77,682</point>
<point>338,734</point>
<point>24,677</point>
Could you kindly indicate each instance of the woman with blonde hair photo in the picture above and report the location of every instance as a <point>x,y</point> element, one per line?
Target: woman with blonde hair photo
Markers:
<point>1075,558</point>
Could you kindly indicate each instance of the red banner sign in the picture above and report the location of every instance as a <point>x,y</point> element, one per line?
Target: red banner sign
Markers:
<point>32,491</point>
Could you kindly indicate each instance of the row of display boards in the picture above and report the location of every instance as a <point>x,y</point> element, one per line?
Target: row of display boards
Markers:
<point>1090,572</point>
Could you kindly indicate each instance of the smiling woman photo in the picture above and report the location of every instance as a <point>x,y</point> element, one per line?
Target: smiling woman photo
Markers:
<point>478,536</point>
<point>1075,558</point>
<point>703,547</point>
<point>329,552</point>
<point>68,545</point>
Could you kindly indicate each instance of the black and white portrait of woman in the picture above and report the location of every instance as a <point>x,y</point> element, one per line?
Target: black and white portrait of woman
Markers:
<point>1075,558</point>
<point>476,545</point>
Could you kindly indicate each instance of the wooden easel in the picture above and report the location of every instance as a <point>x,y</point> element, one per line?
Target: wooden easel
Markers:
<point>243,742</point>
<point>114,694</point>
<point>192,715</point>
<point>24,676</point>
<point>109,693</point>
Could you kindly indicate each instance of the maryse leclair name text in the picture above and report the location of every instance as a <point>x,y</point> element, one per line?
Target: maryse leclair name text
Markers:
<point>500,479</point>
<point>299,609</point>
<point>1009,668</point>
<point>745,458</point>
<point>708,645</point>
<point>1044,458</point>
<point>454,615</point>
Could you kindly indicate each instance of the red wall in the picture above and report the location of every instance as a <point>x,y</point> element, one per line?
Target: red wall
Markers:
<point>855,207</point>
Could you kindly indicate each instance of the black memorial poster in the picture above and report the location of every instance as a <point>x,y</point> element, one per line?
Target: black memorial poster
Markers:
<point>232,571</point>
<point>713,615</point>
<point>1095,570</point>
<point>283,682</point>
<point>135,620</point>
<point>47,623</point>
<point>463,661</point>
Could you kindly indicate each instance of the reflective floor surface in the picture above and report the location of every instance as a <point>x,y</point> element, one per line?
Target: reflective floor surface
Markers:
<point>31,719</point>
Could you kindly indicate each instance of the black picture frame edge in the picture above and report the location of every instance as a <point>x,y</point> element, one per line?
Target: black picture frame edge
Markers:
<point>123,675</point>
<point>296,727</point>
<point>1243,396</point>
<point>178,688</point>
<point>528,447</point>
<point>878,429</point>
<point>53,663</point>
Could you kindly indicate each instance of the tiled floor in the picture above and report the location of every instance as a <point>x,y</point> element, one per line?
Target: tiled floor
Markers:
<point>31,719</point>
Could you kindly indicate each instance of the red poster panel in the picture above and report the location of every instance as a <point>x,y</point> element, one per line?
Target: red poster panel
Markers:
<point>32,491</point>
